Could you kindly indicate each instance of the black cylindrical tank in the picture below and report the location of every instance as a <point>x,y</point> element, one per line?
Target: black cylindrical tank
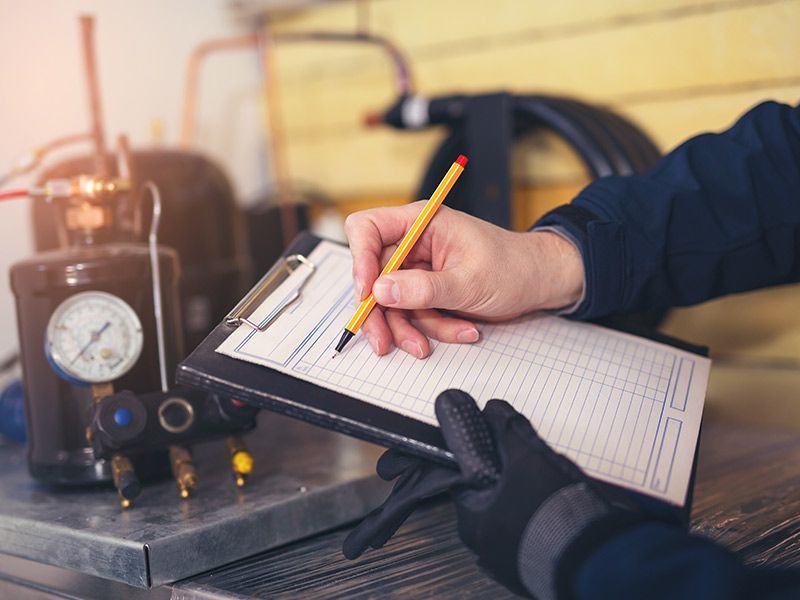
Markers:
<point>57,410</point>
<point>200,220</point>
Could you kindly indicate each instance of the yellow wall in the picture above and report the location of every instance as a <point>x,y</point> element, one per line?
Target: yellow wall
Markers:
<point>675,67</point>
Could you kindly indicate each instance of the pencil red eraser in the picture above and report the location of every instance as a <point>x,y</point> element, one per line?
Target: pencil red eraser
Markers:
<point>462,160</point>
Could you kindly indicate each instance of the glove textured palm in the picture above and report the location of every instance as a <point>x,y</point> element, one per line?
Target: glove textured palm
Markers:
<point>529,514</point>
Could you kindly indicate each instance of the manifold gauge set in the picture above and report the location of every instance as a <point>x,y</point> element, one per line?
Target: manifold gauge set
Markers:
<point>100,332</point>
<point>100,327</point>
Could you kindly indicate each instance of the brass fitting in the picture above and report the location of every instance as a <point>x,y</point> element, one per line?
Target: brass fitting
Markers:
<point>241,459</point>
<point>180,459</point>
<point>87,216</point>
<point>125,480</point>
<point>88,187</point>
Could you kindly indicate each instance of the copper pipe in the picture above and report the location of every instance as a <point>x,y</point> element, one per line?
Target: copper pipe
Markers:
<point>93,87</point>
<point>125,172</point>
<point>277,138</point>
<point>404,84</point>
<point>191,91</point>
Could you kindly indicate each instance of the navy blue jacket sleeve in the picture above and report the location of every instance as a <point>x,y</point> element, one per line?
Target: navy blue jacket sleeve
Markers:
<point>717,215</point>
<point>661,561</point>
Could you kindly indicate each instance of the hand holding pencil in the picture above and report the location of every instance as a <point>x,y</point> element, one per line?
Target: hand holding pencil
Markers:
<point>405,246</point>
<point>459,264</point>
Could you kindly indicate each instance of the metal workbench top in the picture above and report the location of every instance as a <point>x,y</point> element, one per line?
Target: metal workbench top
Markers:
<point>747,496</point>
<point>306,480</point>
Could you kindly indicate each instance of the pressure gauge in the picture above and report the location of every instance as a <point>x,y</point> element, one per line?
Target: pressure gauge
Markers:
<point>93,337</point>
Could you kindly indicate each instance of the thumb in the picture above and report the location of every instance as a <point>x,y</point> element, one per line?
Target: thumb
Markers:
<point>415,288</point>
<point>467,436</point>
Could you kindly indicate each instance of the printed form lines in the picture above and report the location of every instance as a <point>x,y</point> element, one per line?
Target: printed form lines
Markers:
<point>568,386</point>
<point>622,407</point>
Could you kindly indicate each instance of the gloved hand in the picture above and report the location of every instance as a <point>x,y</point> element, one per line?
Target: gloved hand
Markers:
<point>531,515</point>
<point>417,479</point>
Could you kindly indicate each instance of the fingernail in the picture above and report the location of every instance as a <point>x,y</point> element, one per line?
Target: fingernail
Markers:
<point>468,336</point>
<point>386,291</point>
<point>373,341</point>
<point>413,348</point>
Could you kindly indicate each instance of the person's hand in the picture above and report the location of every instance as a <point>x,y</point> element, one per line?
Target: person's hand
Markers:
<point>460,264</point>
<point>418,479</point>
<point>530,515</point>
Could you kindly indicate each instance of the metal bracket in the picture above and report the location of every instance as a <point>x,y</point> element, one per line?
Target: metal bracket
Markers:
<point>241,313</point>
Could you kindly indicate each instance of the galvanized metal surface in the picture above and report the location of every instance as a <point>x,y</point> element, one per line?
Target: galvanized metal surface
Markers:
<point>22,579</point>
<point>306,480</point>
<point>747,497</point>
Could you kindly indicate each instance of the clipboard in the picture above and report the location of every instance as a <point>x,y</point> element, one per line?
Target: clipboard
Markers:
<point>265,388</point>
<point>260,386</point>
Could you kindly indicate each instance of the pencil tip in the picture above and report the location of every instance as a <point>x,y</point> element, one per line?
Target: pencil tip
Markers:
<point>334,355</point>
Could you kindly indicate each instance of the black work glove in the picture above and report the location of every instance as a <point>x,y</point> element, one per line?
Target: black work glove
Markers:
<point>466,433</point>
<point>531,515</point>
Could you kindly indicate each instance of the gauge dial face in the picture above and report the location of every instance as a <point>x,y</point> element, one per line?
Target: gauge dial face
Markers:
<point>94,337</point>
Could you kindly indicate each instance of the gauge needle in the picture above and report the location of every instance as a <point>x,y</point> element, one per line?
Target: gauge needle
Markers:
<point>94,337</point>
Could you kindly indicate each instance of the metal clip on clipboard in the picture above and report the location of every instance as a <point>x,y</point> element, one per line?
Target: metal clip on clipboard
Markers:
<point>241,313</point>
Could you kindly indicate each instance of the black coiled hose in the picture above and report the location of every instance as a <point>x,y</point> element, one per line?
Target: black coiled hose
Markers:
<point>607,143</point>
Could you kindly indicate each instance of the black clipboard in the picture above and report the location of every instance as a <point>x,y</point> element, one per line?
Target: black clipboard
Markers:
<point>263,387</point>
<point>260,386</point>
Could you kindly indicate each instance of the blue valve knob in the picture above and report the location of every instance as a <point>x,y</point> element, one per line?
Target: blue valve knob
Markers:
<point>123,417</point>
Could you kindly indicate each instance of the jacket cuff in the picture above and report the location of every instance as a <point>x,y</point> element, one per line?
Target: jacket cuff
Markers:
<point>601,244</point>
<point>559,522</point>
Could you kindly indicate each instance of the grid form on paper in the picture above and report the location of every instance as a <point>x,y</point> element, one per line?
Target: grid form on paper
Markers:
<point>625,409</point>
<point>562,382</point>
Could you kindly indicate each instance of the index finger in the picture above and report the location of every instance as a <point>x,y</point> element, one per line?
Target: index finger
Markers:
<point>368,232</point>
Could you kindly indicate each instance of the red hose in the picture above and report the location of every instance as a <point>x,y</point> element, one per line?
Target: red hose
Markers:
<point>7,195</point>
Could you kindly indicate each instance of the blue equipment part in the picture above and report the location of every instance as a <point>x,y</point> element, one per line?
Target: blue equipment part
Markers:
<point>12,412</point>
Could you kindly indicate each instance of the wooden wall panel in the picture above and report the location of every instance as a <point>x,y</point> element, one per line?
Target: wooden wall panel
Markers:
<point>744,41</point>
<point>675,67</point>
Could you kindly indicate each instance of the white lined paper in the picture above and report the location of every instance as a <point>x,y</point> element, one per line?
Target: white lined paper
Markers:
<point>627,410</point>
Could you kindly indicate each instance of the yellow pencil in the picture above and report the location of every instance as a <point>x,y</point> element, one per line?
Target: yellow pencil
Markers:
<point>410,238</point>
